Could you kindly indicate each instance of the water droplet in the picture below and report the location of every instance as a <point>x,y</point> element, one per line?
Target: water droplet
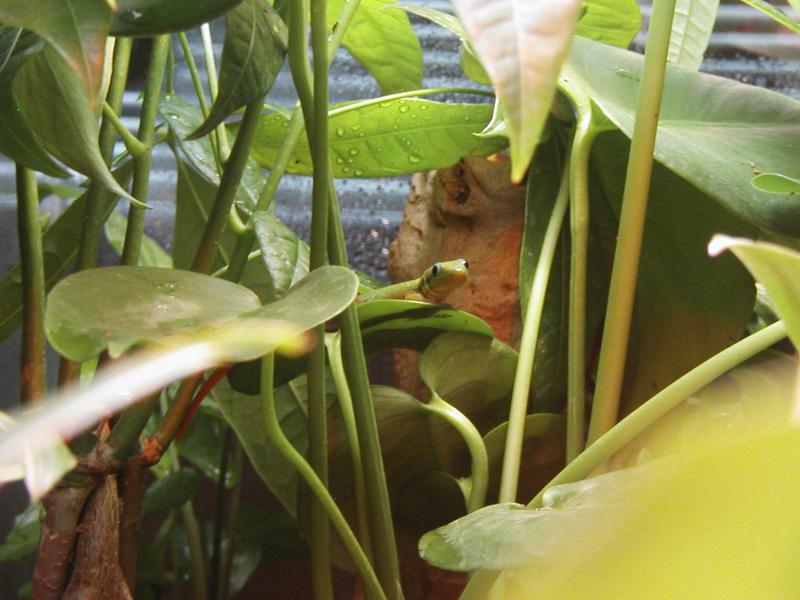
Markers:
<point>339,131</point>
<point>403,108</point>
<point>346,169</point>
<point>340,161</point>
<point>358,172</point>
<point>423,107</point>
<point>350,161</point>
<point>414,159</point>
<point>353,151</point>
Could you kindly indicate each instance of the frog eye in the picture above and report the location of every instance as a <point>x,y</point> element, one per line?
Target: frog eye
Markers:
<point>435,269</point>
<point>466,264</point>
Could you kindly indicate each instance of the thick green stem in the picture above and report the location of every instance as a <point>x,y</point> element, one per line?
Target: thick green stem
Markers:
<point>34,344</point>
<point>133,145</point>
<point>141,164</point>
<point>285,447</point>
<point>527,349</point>
<point>228,185</point>
<point>579,235</point>
<point>663,402</point>
<point>616,330</point>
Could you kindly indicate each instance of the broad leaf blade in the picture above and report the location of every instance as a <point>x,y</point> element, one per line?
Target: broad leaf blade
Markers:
<point>284,254</point>
<point>254,50</point>
<point>522,45</point>
<point>614,22</point>
<point>691,30</point>
<point>153,17</point>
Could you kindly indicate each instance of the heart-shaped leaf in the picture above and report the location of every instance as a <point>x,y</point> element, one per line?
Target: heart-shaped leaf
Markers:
<point>380,37</point>
<point>153,17</point>
<point>390,138</point>
<point>77,29</point>
<point>522,45</point>
<point>691,30</point>
<point>252,56</point>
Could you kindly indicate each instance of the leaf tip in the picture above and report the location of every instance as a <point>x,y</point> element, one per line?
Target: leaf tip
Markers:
<point>720,243</point>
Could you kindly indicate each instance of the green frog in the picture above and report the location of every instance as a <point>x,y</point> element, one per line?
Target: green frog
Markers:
<point>438,280</point>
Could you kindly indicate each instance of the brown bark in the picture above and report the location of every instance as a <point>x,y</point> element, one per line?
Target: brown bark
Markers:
<point>97,574</point>
<point>132,495</point>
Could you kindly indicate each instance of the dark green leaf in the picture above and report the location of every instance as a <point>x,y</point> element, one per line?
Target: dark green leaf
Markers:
<point>277,532</point>
<point>63,119</point>
<point>171,492</point>
<point>429,501</point>
<point>77,29</point>
<point>152,17</point>
<point>714,132</point>
<point>386,139</point>
<point>246,557</point>
<point>380,37</point>
<point>204,444</point>
<point>23,539</point>
<point>254,50</point>
<point>114,308</point>
<point>152,255</point>
<point>284,254</point>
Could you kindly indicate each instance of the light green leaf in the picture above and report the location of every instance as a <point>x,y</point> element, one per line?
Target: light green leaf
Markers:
<point>63,119</point>
<point>380,37</point>
<point>254,50</point>
<point>391,138</point>
<point>614,22</point>
<point>777,268</point>
<point>775,14</point>
<point>700,116</point>
<point>23,539</point>
<point>152,255</point>
<point>522,45</point>
<point>77,29</point>
<point>691,30</point>
<point>775,183</point>
<point>153,17</point>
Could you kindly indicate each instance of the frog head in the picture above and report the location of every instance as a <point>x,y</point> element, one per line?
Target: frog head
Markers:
<point>443,277</point>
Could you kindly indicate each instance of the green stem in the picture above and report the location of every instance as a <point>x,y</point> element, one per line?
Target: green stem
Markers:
<point>34,344</point>
<point>229,541</point>
<point>527,349</point>
<point>228,185</point>
<point>475,445</point>
<point>585,134</point>
<point>220,504</point>
<point>170,83</point>
<point>616,330</point>
<point>285,447</point>
<point>213,87</point>
<point>124,437</point>
<point>141,164</point>
<point>663,402</point>
<point>134,146</point>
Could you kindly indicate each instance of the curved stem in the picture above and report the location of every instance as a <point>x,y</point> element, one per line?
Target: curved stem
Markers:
<point>527,349</point>
<point>284,446</point>
<point>474,441</point>
<point>135,148</point>
<point>663,402</point>
<point>616,329</point>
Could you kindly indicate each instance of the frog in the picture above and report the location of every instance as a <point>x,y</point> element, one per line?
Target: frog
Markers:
<point>434,285</point>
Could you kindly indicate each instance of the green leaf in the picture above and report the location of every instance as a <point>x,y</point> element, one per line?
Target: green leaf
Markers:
<point>171,492</point>
<point>614,22</point>
<point>380,37</point>
<point>23,539</point>
<point>254,50</point>
<point>391,138</point>
<point>543,447</point>
<point>17,141</point>
<point>284,254</point>
<point>114,308</point>
<point>204,444</point>
<point>688,306</point>
<point>775,14</point>
<point>276,532</point>
<point>700,116</point>
<point>777,268</point>
<point>77,29</point>
<point>63,119</point>
<point>152,255</point>
<point>522,45</point>
<point>152,17</point>
<point>691,30</point>
<point>775,183</point>
<point>60,244</point>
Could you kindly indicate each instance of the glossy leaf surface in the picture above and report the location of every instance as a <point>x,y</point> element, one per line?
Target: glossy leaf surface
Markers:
<point>386,139</point>
<point>284,254</point>
<point>152,17</point>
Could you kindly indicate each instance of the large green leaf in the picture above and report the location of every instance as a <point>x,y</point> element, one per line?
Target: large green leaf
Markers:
<point>255,46</point>
<point>614,22</point>
<point>395,137</point>
<point>691,30</point>
<point>522,45</point>
<point>152,17</point>
<point>713,132</point>
<point>380,37</point>
<point>778,269</point>
<point>63,119</point>
<point>17,141</point>
<point>114,308</point>
<point>688,306</point>
<point>60,244</point>
<point>77,29</point>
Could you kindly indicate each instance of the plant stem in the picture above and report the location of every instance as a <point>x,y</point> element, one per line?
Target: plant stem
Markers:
<point>616,330</point>
<point>34,345</point>
<point>229,534</point>
<point>134,146</point>
<point>146,135</point>
<point>223,148</point>
<point>474,441</point>
<point>284,446</point>
<point>585,134</point>
<point>527,349</point>
<point>663,402</point>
